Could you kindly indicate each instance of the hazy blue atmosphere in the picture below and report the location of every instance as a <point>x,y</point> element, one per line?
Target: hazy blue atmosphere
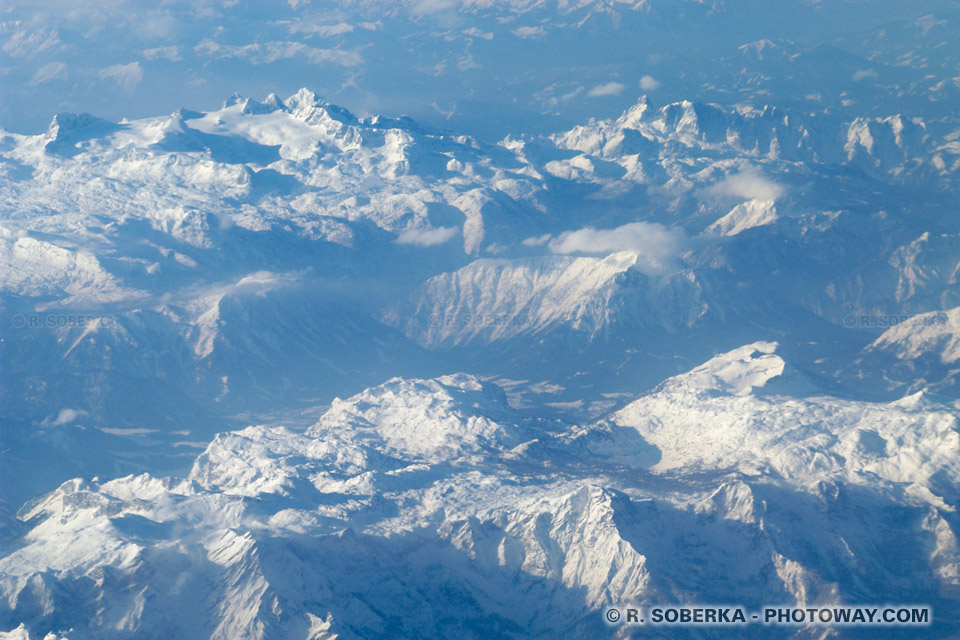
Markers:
<point>487,67</point>
<point>479,319</point>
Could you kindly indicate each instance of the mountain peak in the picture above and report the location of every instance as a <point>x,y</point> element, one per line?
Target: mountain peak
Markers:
<point>67,121</point>
<point>935,333</point>
<point>306,105</point>
<point>631,118</point>
<point>67,129</point>
<point>441,417</point>
<point>765,48</point>
<point>740,371</point>
<point>250,106</point>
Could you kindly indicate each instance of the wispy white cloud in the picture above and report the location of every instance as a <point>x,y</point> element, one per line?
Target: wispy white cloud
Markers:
<point>27,44</point>
<point>473,32</point>
<point>748,184</point>
<point>268,52</point>
<point>605,89</point>
<point>323,30</point>
<point>571,94</point>
<point>258,283</point>
<point>537,241</point>
<point>47,72</point>
<point>170,53</point>
<point>529,32</point>
<point>863,74</point>
<point>427,237</point>
<point>64,417</point>
<point>156,24</point>
<point>656,245</point>
<point>428,7</point>
<point>126,76</point>
<point>649,83</point>
<point>467,62</point>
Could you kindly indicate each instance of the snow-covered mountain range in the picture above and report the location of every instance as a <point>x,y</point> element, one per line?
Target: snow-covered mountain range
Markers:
<point>432,508</point>
<point>677,325</point>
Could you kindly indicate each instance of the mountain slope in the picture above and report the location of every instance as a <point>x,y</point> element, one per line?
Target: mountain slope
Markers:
<point>493,299</point>
<point>432,505</point>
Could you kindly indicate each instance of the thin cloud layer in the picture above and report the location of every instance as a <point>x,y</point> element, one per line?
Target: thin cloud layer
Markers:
<point>606,89</point>
<point>529,32</point>
<point>427,237</point>
<point>48,72</point>
<point>658,246</point>
<point>269,52</point>
<point>749,185</point>
<point>28,44</point>
<point>171,53</point>
<point>649,83</point>
<point>126,76</point>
